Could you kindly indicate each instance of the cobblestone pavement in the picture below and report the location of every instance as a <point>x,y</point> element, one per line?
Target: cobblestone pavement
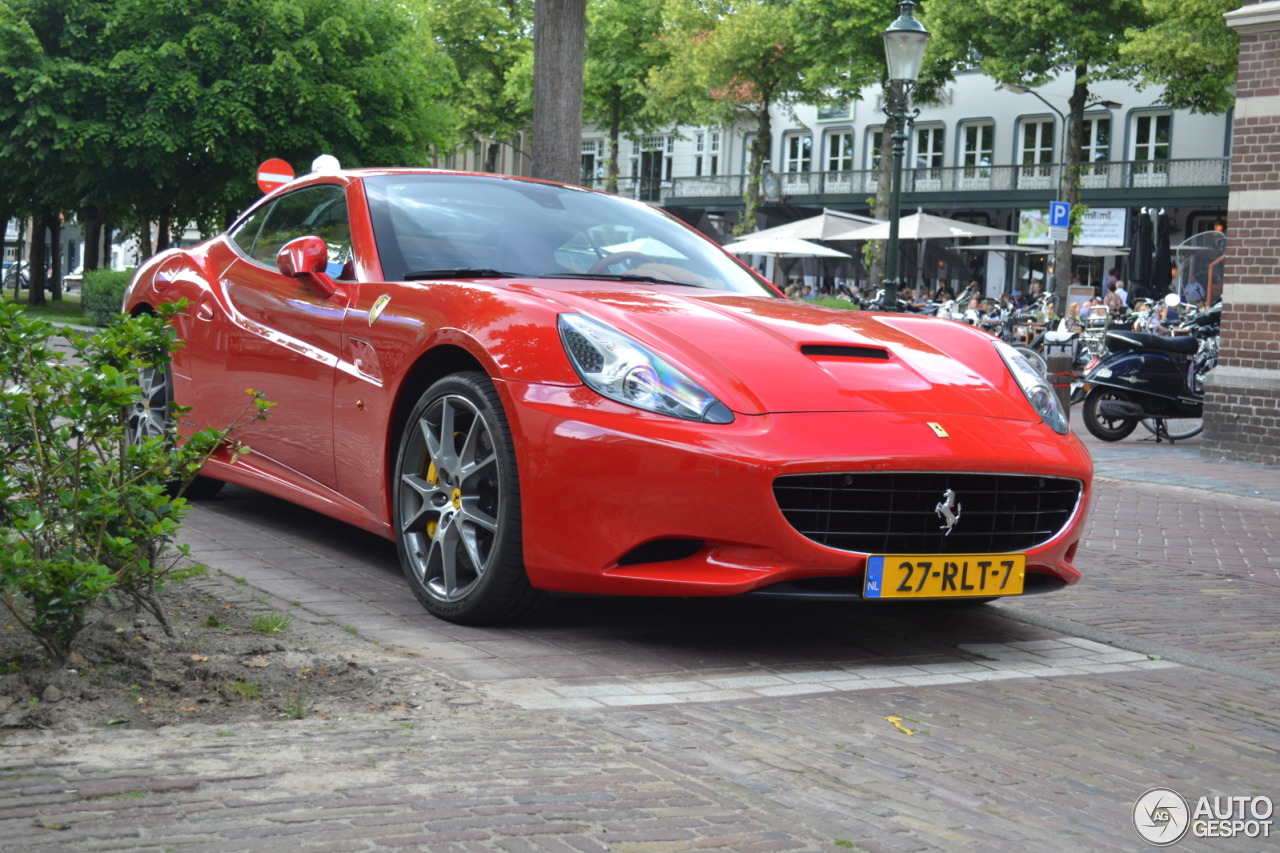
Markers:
<point>642,725</point>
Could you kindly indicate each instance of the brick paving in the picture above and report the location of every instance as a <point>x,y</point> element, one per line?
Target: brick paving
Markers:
<point>642,725</point>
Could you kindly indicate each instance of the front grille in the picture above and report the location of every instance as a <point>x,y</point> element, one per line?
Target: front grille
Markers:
<point>899,513</point>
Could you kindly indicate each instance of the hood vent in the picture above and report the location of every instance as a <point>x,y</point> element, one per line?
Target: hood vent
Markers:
<point>844,351</point>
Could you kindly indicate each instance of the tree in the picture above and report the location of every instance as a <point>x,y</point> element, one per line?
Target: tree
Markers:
<point>1030,42</point>
<point>559,31</point>
<point>622,50</point>
<point>489,42</point>
<point>161,111</point>
<point>734,60</point>
<point>1188,49</point>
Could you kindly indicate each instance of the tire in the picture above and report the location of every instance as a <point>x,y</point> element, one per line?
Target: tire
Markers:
<point>152,417</point>
<point>456,506</point>
<point>1176,429</point>
<point>1101,426</point>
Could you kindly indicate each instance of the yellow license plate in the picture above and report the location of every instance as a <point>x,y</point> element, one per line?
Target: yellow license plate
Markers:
<point>951,576</point>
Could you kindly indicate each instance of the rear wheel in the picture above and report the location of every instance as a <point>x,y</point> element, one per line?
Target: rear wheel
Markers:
<point>1103,426</point>
<point>1175,429</point>
<point>457,506</point>
<point>152,417</point>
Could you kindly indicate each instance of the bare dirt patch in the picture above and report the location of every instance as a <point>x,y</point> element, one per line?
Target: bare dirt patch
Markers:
<point>232,658</point>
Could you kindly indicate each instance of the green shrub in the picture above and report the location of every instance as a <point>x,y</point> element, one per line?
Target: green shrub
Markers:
<point>87,510</point>
<point>103,295</point>
<point>835,302</point>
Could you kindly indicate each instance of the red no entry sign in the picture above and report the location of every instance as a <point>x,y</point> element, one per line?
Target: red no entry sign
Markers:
<point>274,173</point>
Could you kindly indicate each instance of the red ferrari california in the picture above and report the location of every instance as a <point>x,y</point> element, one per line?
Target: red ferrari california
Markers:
<point>535,388</point>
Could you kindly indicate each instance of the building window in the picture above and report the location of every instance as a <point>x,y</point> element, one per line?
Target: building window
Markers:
<point>1096,145</point>
<point>1036,154</point>
<point>1151,137</point>
<point>797,153</point>
<point>835,113</point>
<point>872,148</point>
<point>929,148</point>
<point>706,153</point>
<point>977,140</point>
<point>651,165</point>
<point>840,151</point>
<point>592,161</point>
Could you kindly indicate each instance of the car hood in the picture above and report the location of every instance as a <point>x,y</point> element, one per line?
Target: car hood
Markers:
<point>760,355</point>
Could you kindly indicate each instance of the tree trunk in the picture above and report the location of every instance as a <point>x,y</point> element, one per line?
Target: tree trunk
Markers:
<point>53,224</point>
<point>35,260</point>
<point>106,242</point>
<point>761,151</point>
<point>884,187</point>
<point>92,238</point>
<point>613,167</point>
<point>1069,189</point>
<point>559,29</point>
<point>144,237</point>
<point>164,231</point>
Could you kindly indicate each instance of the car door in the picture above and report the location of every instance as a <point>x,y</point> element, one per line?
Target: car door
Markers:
<point>286,333</point>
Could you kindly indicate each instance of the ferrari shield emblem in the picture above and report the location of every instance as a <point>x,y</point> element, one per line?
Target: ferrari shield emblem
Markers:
<point>378,305</point>
<point>938,430</point>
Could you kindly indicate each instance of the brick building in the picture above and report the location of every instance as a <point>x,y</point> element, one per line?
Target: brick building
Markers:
<point>1242,403</point>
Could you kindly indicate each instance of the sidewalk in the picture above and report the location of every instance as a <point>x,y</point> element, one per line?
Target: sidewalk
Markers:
<point>1033,724</point>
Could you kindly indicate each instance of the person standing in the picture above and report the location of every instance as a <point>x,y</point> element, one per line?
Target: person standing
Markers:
<point>1193,293</point>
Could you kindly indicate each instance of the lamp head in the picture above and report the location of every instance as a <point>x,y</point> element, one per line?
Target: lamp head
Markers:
<point>904,44</point>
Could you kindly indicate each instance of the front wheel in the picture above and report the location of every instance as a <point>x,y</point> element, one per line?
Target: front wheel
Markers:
<point>1103,426</point>
<point>456,499</point>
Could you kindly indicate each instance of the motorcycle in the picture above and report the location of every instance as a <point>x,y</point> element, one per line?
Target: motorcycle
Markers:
<point>1150,379</point>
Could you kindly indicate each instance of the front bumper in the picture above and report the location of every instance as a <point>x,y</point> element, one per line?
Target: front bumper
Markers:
<point>618,501</point>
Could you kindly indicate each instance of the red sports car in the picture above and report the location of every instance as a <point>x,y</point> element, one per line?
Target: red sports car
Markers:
<point>536,388</point>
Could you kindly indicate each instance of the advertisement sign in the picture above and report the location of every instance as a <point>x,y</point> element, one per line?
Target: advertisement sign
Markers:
<point>1099,226</point>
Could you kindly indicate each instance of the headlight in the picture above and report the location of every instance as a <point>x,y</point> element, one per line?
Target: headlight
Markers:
<point>615,366</point>
<point>1039,392</point>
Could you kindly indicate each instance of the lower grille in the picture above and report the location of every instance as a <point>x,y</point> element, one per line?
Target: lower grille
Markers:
<point>906,513</point>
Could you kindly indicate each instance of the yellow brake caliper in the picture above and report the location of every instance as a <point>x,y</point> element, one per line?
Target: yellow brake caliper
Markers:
<point>433,477</point>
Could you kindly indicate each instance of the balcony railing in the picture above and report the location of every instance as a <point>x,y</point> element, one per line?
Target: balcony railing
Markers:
<point>1115,175</point>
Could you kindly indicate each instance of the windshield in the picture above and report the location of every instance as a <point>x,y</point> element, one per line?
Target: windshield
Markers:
<point>439,223</point>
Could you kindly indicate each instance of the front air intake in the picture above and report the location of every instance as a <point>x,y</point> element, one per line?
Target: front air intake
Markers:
<point>911,513</point>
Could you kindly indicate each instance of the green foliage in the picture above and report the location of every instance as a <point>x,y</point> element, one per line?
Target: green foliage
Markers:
<point>272,623</point>
<point>1029,42</point>
<point>835,302</point>
<point>88,507</point>
<point>103,295</point>
<point>490,43</point>
<point>751,56</point>
<point>163,110</point>
<point>1189,50</point>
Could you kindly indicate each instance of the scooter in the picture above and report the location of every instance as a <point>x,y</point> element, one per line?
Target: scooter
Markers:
<point>1145,378</point>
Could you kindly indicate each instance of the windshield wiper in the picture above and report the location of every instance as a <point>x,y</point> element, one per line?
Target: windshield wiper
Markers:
<point>608,276</point>
<point>462,272</point>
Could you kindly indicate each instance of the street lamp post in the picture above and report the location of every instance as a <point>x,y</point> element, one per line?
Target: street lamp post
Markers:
<point>904,44</point>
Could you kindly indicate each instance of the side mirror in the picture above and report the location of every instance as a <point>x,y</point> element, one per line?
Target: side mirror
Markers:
<point>307,259</point>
